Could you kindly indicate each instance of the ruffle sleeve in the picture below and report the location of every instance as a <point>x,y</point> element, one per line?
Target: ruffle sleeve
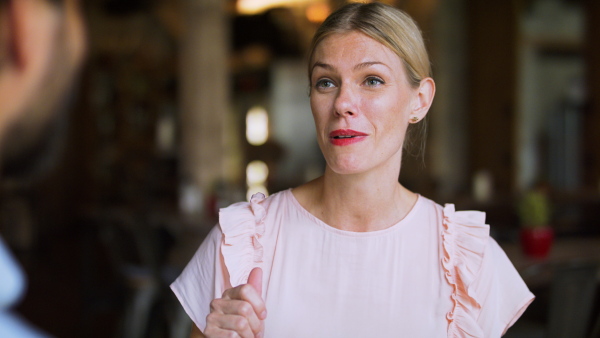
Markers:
<point>465,237</point>
<point>243,226</point>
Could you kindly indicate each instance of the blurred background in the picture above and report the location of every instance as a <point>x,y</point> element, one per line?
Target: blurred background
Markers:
<point>190,105</point>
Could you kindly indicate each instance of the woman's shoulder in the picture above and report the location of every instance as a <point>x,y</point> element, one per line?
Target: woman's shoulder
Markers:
<point>473,263</point>
<point>455,221</point>
<point>258,203</point>
<point>247,216</point>
<point>251,216</point>
<point>463,237</point>
<point>245,227</point>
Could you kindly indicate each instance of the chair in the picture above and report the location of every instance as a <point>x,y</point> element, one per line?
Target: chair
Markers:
<point>136,253</point>
<point>572,293</point>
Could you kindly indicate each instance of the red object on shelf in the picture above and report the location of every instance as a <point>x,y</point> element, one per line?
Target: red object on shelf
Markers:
<point>537,242</point>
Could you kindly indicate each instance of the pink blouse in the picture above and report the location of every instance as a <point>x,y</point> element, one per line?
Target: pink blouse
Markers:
<point>436,273</point>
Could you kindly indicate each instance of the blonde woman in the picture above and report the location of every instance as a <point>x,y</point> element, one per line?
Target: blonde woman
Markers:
<point>354,253</point>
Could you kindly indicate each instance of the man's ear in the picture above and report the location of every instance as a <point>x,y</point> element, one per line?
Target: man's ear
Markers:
<point>32,32</point>
<point>14,26</point>
<point>423,99</point>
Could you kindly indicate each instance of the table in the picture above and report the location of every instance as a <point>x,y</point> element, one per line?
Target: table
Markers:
<point>537,271</point>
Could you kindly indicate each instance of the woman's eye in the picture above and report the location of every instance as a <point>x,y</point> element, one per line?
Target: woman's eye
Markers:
<point>324,83</point>
<point>373,81</point>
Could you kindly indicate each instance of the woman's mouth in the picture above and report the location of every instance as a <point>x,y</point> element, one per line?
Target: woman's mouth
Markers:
<point>344,137</point>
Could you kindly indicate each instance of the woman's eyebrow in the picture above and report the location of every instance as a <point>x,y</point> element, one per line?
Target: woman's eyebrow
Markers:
<point>322,65</point>
<point>359,66</point>
<point>369,64</point>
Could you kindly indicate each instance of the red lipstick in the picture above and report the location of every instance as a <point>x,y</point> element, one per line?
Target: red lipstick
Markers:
<point>344,137</point>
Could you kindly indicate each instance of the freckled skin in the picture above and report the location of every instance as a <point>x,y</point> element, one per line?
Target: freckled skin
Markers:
<point>359,84</point>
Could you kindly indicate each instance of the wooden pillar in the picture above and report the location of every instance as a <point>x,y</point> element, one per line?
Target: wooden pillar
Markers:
<point>447,135</point>
<point>204,92</point>
<point>492,57</point>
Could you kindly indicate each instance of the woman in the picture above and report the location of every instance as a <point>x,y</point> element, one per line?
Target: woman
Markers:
<point>354,253</point>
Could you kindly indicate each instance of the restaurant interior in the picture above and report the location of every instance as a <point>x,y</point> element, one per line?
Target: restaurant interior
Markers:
<point>187,106</point>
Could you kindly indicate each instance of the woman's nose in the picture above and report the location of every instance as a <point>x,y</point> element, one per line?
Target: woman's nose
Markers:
<point>345,102</point>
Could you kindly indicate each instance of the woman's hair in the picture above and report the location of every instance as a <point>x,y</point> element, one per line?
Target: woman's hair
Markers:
<point>394,29</point>
<point>385,24</point>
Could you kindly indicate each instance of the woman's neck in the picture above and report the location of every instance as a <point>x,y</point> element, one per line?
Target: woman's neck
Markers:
<point>360,203</point>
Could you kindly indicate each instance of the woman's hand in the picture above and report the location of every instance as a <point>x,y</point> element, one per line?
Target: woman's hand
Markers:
<point>240,312</point>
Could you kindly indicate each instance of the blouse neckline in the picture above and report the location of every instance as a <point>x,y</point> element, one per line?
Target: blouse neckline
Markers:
<point>398,225</point>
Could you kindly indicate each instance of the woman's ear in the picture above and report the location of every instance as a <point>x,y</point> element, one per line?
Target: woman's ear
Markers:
<point>422,100</point>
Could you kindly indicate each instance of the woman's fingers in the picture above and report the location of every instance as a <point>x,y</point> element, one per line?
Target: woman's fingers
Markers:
<point>248,293</point>
<point>236,308</point>
<point>224,325</point>
<point>255,279</point>
<point>240,312</point>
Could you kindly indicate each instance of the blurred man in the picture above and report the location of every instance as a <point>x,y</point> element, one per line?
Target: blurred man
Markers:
<point>42,44</point>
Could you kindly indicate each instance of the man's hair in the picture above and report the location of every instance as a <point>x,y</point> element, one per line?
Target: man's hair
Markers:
<point>3,42</point>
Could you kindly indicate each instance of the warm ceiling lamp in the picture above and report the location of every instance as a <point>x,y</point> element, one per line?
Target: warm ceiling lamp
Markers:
<point>317,12</point>
<point>257,126</point>
<point>249,7</point>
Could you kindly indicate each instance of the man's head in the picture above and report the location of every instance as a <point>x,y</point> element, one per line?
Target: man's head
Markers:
<point>42,44</point>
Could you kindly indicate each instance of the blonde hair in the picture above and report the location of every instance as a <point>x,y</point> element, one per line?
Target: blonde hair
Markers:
<point>385,24</point>
<point>394,29</point>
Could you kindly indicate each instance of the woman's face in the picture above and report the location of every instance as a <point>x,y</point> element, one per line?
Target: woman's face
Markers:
<point>361,102</point>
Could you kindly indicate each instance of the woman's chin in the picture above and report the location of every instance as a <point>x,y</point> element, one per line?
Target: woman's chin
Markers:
<point>349,163</point>
<point>347,168</point>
